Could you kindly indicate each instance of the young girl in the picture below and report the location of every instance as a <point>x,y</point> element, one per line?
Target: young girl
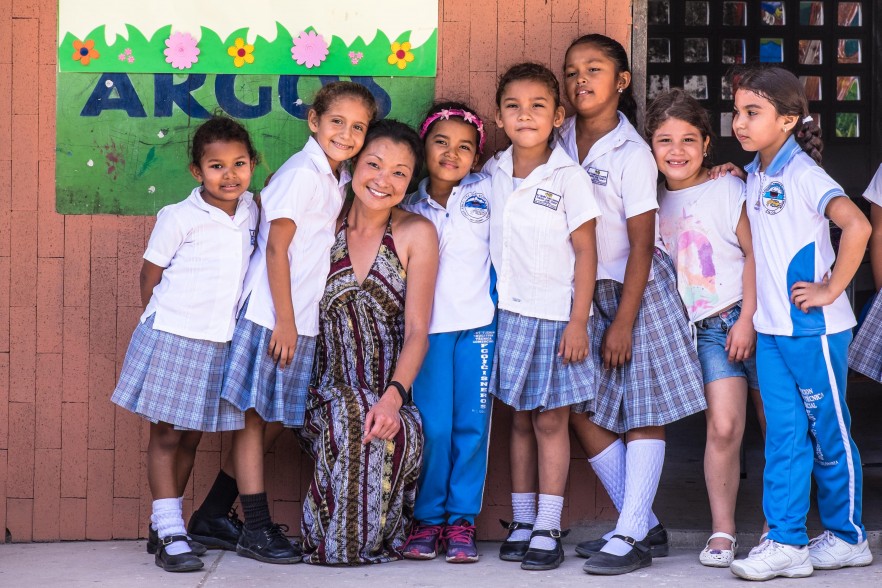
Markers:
<point>804,323</point>
<point>543,248</point>
<point>451,390</point>
<point>274,342</point>
<point>863,354</point>
<point>649,374</point>
<point>190,285</point>
<point>704,228</point>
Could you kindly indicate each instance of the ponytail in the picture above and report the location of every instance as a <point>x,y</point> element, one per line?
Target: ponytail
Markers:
<point>808,134</point>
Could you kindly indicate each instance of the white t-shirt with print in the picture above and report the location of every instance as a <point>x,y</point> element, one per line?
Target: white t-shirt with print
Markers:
<point>530,228</point>
<point>306,191</point>
<point>791,242</point>
<point>462,290</point>
<point>697,227</point>
<point>623,171</point>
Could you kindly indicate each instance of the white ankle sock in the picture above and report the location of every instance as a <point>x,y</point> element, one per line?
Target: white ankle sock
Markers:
<point>170,521</point>
<point>609,466</point>
<point>642,472</point>
<point>523,506</point>
<point>548,517</point>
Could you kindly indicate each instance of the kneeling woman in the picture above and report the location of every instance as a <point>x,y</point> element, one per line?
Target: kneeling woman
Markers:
<point>361,428</point>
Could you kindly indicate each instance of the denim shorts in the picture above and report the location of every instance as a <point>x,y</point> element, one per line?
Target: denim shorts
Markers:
<point>712,354</point>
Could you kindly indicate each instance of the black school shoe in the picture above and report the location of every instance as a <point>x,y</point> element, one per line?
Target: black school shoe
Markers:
<point>153,542</point>
<point>183,562</point>
<point>268,545</point>
<point>657,538</point>
<point>514,550</point>
<point>607,564</point>
<point>545,559</point>
<point>216,532</point>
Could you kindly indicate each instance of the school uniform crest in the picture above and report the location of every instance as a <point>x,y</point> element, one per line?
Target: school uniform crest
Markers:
<point>773,198</point>
<point>475,207</point>
<point>598,176</point>
<point>547,199</point>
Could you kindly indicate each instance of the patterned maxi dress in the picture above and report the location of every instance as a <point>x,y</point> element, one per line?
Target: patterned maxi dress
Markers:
<point>360,503</point>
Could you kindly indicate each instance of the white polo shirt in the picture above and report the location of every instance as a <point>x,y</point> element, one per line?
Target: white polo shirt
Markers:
<point>791,242</point>
<point>205,255</point>
<point>306,191</point>
<point>462,290</point>
<point>623,171</point>
<point>530,228</point>
<point>873,193</point>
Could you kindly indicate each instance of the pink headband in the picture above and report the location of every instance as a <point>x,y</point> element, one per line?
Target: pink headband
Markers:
<point>469,117</point>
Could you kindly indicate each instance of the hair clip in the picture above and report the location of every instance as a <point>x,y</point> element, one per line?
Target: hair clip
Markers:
<point>807,119</point>
<point>467,116</point>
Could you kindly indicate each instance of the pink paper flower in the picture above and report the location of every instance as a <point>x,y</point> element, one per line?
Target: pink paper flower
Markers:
<point>355,57</point>
<point>310,49</point>
<point>127,56</point>
<point>181,50</point>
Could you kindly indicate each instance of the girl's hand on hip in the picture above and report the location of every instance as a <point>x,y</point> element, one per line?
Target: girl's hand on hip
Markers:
<point>283,343</point>
<point>741,340</point>
<point>808,295</point>
<point>615,349</point>
<point>382,420</point>
<point>574,343</point>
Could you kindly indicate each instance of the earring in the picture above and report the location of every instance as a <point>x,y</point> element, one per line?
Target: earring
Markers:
<point>705,153</point>
<point>621,90</point>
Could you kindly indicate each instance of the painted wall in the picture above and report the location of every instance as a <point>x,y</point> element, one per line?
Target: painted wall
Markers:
<point>72,466</point>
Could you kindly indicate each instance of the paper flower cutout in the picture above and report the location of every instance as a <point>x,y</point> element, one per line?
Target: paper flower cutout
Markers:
<point>400,55</point>
<point>181,51</point>
<point>85,52</point>
<point>127,56</point>
<point>355,57</point>
<point>309,49</point>
<point>241,53</point>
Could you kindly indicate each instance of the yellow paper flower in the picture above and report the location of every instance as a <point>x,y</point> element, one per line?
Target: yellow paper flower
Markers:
<point>241,53</point>
<point>400,55</point>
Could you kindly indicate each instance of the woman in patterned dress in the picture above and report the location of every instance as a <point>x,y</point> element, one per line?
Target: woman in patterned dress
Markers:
<point>361,428</point>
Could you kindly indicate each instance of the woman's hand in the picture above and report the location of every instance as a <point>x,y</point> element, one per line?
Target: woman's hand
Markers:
<point>615,349</point>
<point>283,343</point>
<point>574,343</point>
<point>382,420</point>
<point>741,340</point>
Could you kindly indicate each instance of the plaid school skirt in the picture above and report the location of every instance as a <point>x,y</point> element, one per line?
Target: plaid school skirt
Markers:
<point>527,372</point>
<point>254,380</point>
<point>662,383</point>
<point>172,379</point>
<point>865,353</point>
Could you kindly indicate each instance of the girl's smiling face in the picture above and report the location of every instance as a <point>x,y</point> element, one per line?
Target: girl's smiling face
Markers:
<point>382,173</point>
<point>527,113</point>
<point>451,150</point>
<point>679,151</point>
<point>340,130</point>
<point>225,172</point>
<point>591,83</point>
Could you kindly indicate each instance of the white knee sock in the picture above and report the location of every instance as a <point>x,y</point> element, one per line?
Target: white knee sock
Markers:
<point>609,466</point>
<point>170,521</point>
<point>523,506</point>
<point>548,517</point>
<point>642,472</point>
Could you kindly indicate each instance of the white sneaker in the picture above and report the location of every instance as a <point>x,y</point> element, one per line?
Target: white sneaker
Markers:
<point>771,559</point>
<point>829,552</point>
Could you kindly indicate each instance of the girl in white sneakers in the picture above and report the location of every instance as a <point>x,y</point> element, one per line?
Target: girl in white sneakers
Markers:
<point>804,323</point>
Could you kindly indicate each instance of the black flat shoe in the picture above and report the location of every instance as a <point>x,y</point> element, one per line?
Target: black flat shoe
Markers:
<point>514,550</point>
<point>216,532</point>
<point>607,564</point>
<point>269,545</point>
<point>657,537</point>
<point>183,562</point>
<point>545,559</point>
<point>153,543</point>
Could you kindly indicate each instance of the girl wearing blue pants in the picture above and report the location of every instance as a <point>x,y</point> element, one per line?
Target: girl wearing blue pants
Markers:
<point>804,322</point>
<point>451,390</point>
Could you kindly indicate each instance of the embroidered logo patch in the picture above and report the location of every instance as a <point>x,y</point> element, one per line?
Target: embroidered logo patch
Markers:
<point>475,207</point>
<point>546,199</point>
<point>773,198</point>
<point>598,176</point>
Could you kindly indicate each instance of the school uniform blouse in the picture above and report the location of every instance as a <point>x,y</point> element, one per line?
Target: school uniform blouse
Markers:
<point>786,206</point>
<point>623,171</point>
<point>530,228</point>
<point>205,255</point>
<point>306,191</point>
<point>873,193</point>
<point>462,290</point>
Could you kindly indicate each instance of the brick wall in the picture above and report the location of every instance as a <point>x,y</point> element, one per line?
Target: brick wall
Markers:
<point>72,466</point>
